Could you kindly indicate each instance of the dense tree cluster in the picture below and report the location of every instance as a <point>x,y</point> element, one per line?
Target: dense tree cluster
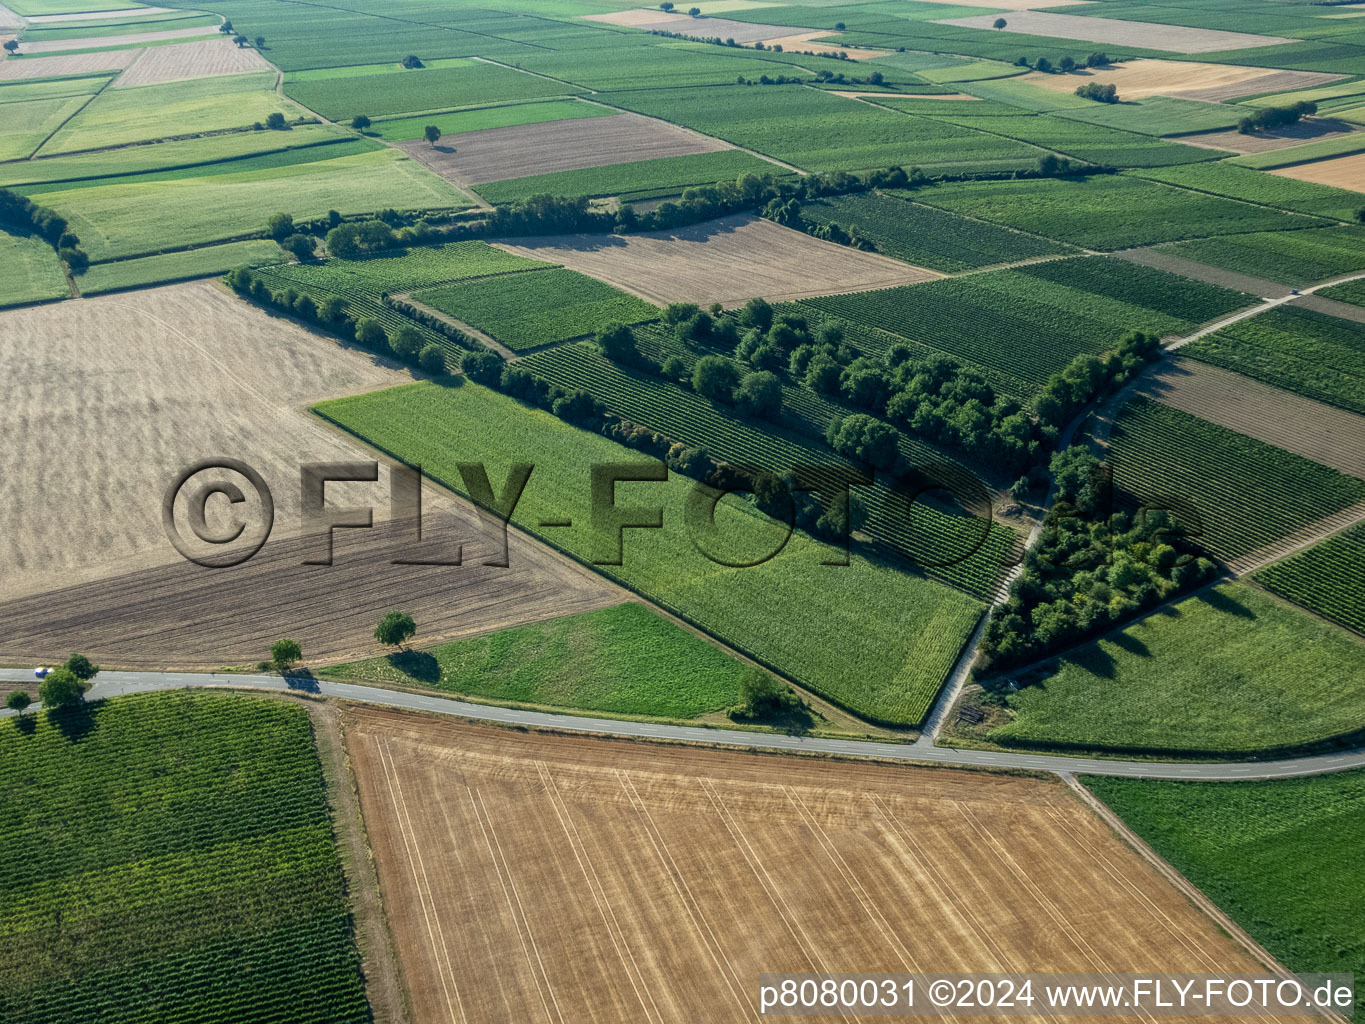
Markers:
<point>1270,118</point>
<point>1087,376</point>
<point>19,215</point>
<point>1100,93</point>
<point>1093,568</point>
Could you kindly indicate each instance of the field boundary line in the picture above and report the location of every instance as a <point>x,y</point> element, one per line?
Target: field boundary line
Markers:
<point>1187,888</point>
<point>599,894</point>
<point>33,153</point>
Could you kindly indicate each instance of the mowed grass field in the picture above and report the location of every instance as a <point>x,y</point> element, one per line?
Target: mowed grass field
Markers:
<point>636,180</point>
<point>908,629</point>
<point>145,112</point>
<point>623,660</point>
<point>402,129</point>
<point>538,307</point>
<point>25,125</point>
<point>32,271</point>
<point>116,219</point>
<point>1229,672</point>
<point>176,266</point>
<point>343,93</point>
<point>193,877</point>
<point>666,877</point>
<point>1270,854</point>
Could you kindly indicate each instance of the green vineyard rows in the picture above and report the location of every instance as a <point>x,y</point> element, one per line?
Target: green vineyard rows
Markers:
<point>1325,579</point>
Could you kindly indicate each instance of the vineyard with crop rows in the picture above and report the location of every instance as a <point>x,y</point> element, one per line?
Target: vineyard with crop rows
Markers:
<point>1325,578</point>
<point>169,858</point>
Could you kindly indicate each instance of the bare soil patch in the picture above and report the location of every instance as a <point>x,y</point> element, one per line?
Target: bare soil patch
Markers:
<point>534,876</point>
<point>49,19</point>
<point>1323,433</point>
<point>202,59</point>
<point>1136,79</point>
<point>727,261</point>
<point>1341,172</point>
<point>1149,35</point>
<point>787,36</point>
<point>1312,130</point>
<point>98,42</point>
<point>496,154</point>
<point>16,68</point>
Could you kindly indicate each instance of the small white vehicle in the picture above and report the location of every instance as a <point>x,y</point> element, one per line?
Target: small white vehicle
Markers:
<point>41,673</point>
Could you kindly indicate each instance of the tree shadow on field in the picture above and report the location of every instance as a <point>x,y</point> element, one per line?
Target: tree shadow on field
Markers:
<point>301,679</point>
<point>1226,604</point>
<point>26,724</point>
<point>1095,660</point>
<point>1131,644</point>
<point>74,723</point>
<point>793,722</point>
<point>418,665</point>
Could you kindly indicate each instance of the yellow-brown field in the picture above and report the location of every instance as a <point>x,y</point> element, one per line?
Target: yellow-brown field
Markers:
<point>533,877</point>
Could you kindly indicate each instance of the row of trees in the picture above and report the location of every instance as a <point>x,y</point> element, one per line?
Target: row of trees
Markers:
<point>1065,65</point>
<point>19,215</point>
<point>62,687</point>
<point>406,343</point>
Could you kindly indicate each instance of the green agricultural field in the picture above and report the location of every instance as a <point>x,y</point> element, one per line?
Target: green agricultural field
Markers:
<point>1325,578</point>
<point>420,267</point>
<point>1258,187</point>
<point>163,156</point>
<point>1352,292</point>
<point>908,629</point>
<point>170,857</point>
<point>668,66</point>
<point>1289,257</point>
<point>1080,140</point>
<point>28,8</point>
<point>1229,671</point>
<point>25,125</point>
<point>32,271</point>
<point>54,88</point>
<point>538,308</point>
<point>931,107</point>
<point>625,660</point>
<point>1270,854</point>
<point>116,220</point>
<point>1105,211</point>
<point>1020,325</point>
<point>925,236</point>
<point>458,84</point>
<point>176,266</point>
<point>927,534</point>
<point>1247,494</point>
<point>1191,302</point>
<point>976,71</point>
<point>97,28</point>
<point>1300,350</point>
<point>1157,115</point>
<point>403,129</point>
<point>819,131</point>
<point>641,179</point>
<point>144,112</point>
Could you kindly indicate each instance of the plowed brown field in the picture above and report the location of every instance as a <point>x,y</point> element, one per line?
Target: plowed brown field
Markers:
<point>532,877</point>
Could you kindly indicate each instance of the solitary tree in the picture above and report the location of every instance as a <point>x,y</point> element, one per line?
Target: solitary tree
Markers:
<point>1000,22</point>
<point>61,689</point>
<point>395,629</point>
<point>276,122</point>
<point>239,39</point>
<point>411,61</point>
<point>838,26</point>
<point>667,5</point>
<point>18,701</point>
<point>1044,65</point>
<point>431,133</point>
<point>360,122</point>
<point>12,45</point>
<point>260,42</point>
<point>1360,215</point>
<point>280,226</point>
<point>617,343</point>
<point>284,653</point>
<point>82,667</point>
<point>225,28</point>
<point>694,12</point>
<point>1067,65</point>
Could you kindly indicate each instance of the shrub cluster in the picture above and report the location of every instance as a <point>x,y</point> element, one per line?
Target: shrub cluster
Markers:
<point>1100,93</point>
<point>1276,117</point>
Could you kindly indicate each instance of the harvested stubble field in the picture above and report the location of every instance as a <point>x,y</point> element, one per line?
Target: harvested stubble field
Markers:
<point>202,59</point>
<point>70,64</point>
<point>614,881</point>
<point>1136,79</point>
<point>1340,172</point>
<point>165,377</point>
<point>1323,433</point>
<point>1311,130</point>
<point>727,261</point>
<point>110,42</point>
<point>1149,35</point>
<point>497,154</point>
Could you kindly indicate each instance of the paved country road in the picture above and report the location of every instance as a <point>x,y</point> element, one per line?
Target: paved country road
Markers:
<point>115,684</point>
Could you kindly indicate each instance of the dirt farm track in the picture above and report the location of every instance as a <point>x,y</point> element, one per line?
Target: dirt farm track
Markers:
<point>562,879</point>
